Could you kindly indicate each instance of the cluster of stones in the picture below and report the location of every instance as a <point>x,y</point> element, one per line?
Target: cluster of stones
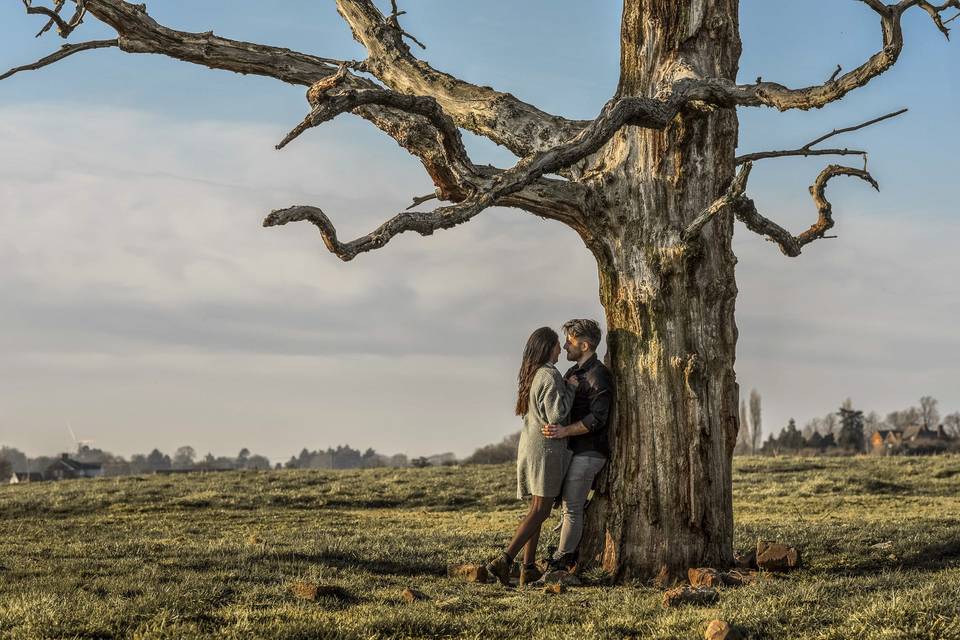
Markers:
<point>768,559</point>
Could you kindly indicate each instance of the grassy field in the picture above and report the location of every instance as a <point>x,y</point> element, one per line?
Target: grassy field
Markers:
<point>214,556</point>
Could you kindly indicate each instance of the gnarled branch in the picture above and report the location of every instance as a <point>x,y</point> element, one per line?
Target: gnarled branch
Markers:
<point>721,92</point>
<point>501,117</point>
<point>746,211</point>
<point>554,199</point>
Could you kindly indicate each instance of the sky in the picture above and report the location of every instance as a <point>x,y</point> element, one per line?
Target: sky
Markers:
<point>143,305</point>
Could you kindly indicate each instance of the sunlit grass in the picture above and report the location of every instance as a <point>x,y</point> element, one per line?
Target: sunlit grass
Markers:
<point>214,556</point>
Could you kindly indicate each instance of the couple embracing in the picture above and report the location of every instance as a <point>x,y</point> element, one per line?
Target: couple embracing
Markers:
<point>563,445</point>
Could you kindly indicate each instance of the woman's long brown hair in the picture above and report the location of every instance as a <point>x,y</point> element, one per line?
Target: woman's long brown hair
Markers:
<point>536,354</point>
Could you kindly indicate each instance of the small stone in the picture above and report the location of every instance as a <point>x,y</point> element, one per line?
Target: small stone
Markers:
<point>704,577</point>
<point>411,595</point>
<point>722,630</point>
<point>689,595</point>
<point>773,556</point>
<point>469,572</point>
<point>555,588</point>
<point>305,590</point>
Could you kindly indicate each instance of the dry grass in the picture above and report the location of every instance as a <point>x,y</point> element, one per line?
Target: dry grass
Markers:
<point>224,555</point>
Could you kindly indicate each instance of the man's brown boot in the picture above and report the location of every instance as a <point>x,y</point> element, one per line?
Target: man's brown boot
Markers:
<point>529,573</point>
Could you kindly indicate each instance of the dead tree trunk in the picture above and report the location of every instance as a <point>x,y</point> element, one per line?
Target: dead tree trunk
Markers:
<point>666,504</point>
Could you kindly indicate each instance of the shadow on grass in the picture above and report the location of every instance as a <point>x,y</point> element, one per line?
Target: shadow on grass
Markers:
<point>931,558</point>
<point>357,561</point>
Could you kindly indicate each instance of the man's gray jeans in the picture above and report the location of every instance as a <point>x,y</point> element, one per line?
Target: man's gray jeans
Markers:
<point>576,486</point>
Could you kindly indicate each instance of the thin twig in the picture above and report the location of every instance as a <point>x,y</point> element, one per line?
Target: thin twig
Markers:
<point>419,200</point>
<point>855,128</point>
<point>835,73</point>
<point>65,51</point>
<point>394,22</point>
<point>808,150</point>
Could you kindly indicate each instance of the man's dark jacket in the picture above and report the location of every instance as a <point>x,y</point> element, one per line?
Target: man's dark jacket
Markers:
<point>592,405</point>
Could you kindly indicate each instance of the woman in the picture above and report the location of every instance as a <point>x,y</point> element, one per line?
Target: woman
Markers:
<point>542,398</point>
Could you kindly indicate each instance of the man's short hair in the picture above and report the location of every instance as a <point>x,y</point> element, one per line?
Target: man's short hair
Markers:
<point>586,330</point>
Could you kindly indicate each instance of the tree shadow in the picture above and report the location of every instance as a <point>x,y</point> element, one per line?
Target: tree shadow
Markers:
<point>931,558</point>
<point>358,562</point>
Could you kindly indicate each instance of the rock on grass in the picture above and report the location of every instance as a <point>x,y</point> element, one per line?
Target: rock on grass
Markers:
<point>704,577</point>
<point>723,630</point>
<point>411,595</point>
<point>772,556</point>
<point>469,572</point>
<point>312,591</point>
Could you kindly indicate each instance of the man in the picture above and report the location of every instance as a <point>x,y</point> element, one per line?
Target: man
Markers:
<point>586,434</point>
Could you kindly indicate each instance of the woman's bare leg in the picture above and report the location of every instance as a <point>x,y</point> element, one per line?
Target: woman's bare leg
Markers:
<point>528,533</point>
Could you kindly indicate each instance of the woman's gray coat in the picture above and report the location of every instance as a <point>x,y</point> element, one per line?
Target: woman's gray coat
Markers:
<point>542,462</point>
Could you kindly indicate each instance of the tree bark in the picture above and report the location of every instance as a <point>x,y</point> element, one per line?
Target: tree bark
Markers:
<point>665,500</point>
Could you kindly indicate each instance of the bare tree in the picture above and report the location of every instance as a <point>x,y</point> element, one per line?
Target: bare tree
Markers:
<point>651,185</point>
<point>744,436</point>
<point>756,424</point>
<point>929,415</point>
<point>903,419</point>
<point>184,457</point>
<point>951,422</point>
<point>828,424</point>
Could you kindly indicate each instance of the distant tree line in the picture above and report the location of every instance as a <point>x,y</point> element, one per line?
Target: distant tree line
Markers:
<point>185,458</point>
<point>849,430</point>
<point>344,457</point>
<point>503,451</point>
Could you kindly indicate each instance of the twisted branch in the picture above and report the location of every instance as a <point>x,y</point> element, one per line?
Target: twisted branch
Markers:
<point>724,93</point>
<point>746,211</point>
<point>64,27</point>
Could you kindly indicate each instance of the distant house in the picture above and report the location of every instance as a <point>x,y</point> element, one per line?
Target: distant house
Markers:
<point>919,433</point>
<point>886,441</point>
<point>66,468</point>
<point>912,439</point>
<point>20,478</point>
